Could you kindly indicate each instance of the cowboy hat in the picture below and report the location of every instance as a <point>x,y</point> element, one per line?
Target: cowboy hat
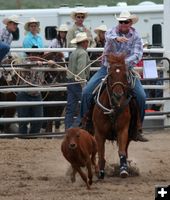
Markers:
<point>31,20</point>
<point>62,27</point>
<point>80,37</point>
<point>125,15</point>
<point>100,28</point>
<point>74,13</point>
<point>12,18</point>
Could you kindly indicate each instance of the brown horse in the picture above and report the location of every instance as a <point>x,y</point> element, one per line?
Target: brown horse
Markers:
<point>112,113</point>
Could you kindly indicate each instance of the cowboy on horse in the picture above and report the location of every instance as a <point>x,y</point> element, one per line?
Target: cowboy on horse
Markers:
<point>121,39</point>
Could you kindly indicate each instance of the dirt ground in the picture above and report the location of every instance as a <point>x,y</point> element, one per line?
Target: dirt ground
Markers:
<point>36,170</point>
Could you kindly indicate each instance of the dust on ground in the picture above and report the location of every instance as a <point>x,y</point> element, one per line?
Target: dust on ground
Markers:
<point>34,169</point>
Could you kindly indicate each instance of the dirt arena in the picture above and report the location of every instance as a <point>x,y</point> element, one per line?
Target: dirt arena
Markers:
<point>36,170</point>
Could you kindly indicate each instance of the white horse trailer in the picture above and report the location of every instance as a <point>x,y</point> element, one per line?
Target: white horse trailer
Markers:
<point>150,23</point>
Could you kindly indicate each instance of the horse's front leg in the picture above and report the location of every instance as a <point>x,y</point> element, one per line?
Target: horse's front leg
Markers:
<point>122,144</point>
<point>101,153</point>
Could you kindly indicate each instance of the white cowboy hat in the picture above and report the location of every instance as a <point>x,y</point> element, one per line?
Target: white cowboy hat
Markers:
<point>62,27</point>
<point>74,13</point>
<point>80,37</point>
<point>12,18</point>
<point>100,28</point>
<point>31,20</point>
<point>125,15</point>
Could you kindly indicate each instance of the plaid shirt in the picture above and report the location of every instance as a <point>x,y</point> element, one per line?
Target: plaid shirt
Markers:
<point>133,48</point>
<point>6,36</point>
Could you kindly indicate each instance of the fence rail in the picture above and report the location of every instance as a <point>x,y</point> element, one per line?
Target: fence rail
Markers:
<point>164,115</point>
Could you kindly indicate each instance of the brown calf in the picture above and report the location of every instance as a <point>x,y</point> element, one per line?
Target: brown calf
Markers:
<point>80,148</point>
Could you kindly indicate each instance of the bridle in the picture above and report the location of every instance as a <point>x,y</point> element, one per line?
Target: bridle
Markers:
<point>117,100</point>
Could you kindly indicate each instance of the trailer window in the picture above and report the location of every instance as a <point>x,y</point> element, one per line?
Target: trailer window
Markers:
<point>157,35</point>
<point>50,32</point>
<point>16,35</point>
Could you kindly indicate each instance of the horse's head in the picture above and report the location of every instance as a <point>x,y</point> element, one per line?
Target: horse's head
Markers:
<point>117,80</point>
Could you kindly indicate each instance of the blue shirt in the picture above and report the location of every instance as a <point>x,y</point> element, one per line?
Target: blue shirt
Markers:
<point>133,48</point>
<point>32,40</point>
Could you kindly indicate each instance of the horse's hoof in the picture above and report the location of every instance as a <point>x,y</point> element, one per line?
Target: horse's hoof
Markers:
<point>124,173</point>
<point>101,174</point>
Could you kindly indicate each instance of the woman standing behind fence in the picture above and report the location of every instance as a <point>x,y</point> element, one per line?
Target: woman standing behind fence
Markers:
<point>100,42</point>
<point>60,41</point>
<point>32,38</point>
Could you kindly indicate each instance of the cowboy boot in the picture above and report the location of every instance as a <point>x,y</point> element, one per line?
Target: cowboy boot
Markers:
<point>139,134</point>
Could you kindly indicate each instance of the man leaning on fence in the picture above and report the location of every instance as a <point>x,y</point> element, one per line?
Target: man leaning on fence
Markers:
<point>33,78</point>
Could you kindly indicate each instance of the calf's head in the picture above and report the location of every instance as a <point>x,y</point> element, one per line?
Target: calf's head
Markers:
<point>72,137</point>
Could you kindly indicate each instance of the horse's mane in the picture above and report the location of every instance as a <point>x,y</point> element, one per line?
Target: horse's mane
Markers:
<point>116,58</point>
<point>116,61</point>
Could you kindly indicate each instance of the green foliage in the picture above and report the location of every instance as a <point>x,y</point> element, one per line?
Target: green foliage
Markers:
<point>24,4</point>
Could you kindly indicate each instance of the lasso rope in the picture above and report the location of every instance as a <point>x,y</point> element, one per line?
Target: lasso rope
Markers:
<point>78,79</point>
<point>46,62</point>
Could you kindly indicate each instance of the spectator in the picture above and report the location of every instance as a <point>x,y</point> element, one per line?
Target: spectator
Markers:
<point>79,16</point>
<point>78,60</point>
<point>100,42</point>
<point>60,41</point>
<point>100,38</point>
<point>33,37</point>
<point>6,35</point>
<point>37,78</point>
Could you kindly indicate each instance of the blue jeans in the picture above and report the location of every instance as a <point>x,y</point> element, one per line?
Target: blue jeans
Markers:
<point>87,96</point>
<point>29,111</point>
<point>74,93</point>
<point>4,49</point>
